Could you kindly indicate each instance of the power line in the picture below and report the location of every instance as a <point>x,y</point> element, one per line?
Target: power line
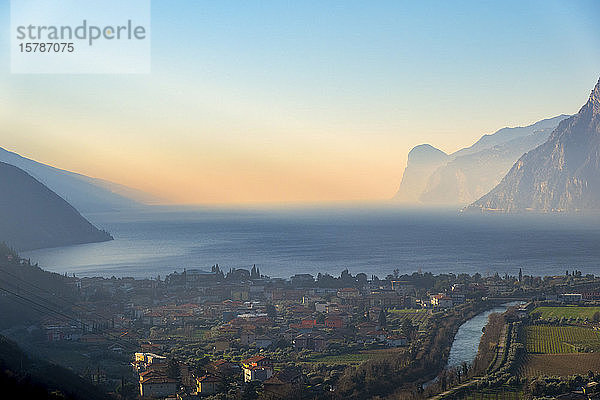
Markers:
<point>115,339</point>
<point>67,302</point>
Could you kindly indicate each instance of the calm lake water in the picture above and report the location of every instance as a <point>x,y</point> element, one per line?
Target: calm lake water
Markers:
<point>281,243</point>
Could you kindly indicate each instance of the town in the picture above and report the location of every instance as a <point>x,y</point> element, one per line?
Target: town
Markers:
<point>239,334</point>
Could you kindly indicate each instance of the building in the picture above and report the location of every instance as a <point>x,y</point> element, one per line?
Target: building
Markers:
<point>458,298</point>
<point>263,342</point>
<point>591,388</point>
<point>335,322</point>
<point>257,368</point>
<point>441,301</point>
<point>247,338</point>
<point>591,296</point>
<point>348,293</point>
<point>403,288</point>
<point>143,361</point>
<point>385,298</point>
<point>310,342</point>
<point>308,323</point>
<point>302,280</point>
<point>59,332</point>
<point>195,277</point>
<point>223,368</point>
<point>571,298</point>
<point>208,384</point>
<point>396,341</point>
<point>284,381</point>
<point>257,373</point>
<point>157,384</point>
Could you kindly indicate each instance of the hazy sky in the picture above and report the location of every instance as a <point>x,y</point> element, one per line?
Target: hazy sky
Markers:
<point>277,101</point>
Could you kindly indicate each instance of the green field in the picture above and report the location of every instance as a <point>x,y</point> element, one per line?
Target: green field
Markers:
<point>503,393</point>
<point>542,339</point>
<point>566,312</point>
<point>351,358</point>
<point>416,316</point>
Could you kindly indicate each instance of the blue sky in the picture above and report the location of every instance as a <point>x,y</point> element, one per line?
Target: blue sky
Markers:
<point>304,101</point>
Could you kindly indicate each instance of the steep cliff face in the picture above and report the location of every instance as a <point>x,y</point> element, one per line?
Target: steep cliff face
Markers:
<point>423,160</point>
<point>464,176</point>
<point>469,176</point>
<point>562,174</point>
<point>32,216</point>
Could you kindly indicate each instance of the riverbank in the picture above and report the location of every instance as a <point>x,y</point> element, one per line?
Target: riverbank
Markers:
<point>493,364</point>
<point>406,373</point>
<point>466,342</point>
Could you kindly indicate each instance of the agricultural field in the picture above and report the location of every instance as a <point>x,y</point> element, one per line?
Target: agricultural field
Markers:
<point>417,316</point>
<point>352,358</point>
<point>181,333</point>
<point>566,312</point>
<point>560,364</point>
<point>501,393</point>
<point>542,339</point>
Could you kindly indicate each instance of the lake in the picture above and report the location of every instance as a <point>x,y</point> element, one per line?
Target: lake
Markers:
<point>375,240</point>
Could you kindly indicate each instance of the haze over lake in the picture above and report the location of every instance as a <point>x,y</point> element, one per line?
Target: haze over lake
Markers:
<point>281,242</point>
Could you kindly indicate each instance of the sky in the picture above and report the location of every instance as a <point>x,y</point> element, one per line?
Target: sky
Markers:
<point>312,101</point>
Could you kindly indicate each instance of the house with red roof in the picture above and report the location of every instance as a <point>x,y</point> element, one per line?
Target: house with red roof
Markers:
<point>257,368</point>
<point>208,384</point>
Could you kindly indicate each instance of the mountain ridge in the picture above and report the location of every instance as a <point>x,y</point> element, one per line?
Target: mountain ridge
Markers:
<point>560,175</point>
<point>33,216</point>
<point>467,174</point>
<point>86,194</point>
<point>423,160</point>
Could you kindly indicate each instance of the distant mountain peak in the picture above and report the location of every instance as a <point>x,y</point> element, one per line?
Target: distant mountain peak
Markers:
<point>422,161</point>
<point>434,177</point>
<point>424,153</point>
<point>561,175</point>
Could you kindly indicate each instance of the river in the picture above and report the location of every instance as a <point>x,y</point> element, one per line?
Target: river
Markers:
<point>466,342</point>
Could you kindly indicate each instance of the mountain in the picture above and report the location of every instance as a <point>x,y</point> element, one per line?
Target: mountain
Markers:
<point>475,170</point>
<point>25,377</point>
<point>561,175</point>
<point>423,160</point>
<point>86,194</point>
<point>467,174</point>
<point>33,216</point>
<point>506,135</point>
<point>14,271</point>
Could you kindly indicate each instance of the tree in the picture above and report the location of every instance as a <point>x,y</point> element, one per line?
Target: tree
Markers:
<point>320,319</point>
<point>271,311</point>
<point>361,278</point>
<point>251,391</point>
<point>173,369</point>
<point>382,318</point>
<point>407,329</point>
<point>126,389</point>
